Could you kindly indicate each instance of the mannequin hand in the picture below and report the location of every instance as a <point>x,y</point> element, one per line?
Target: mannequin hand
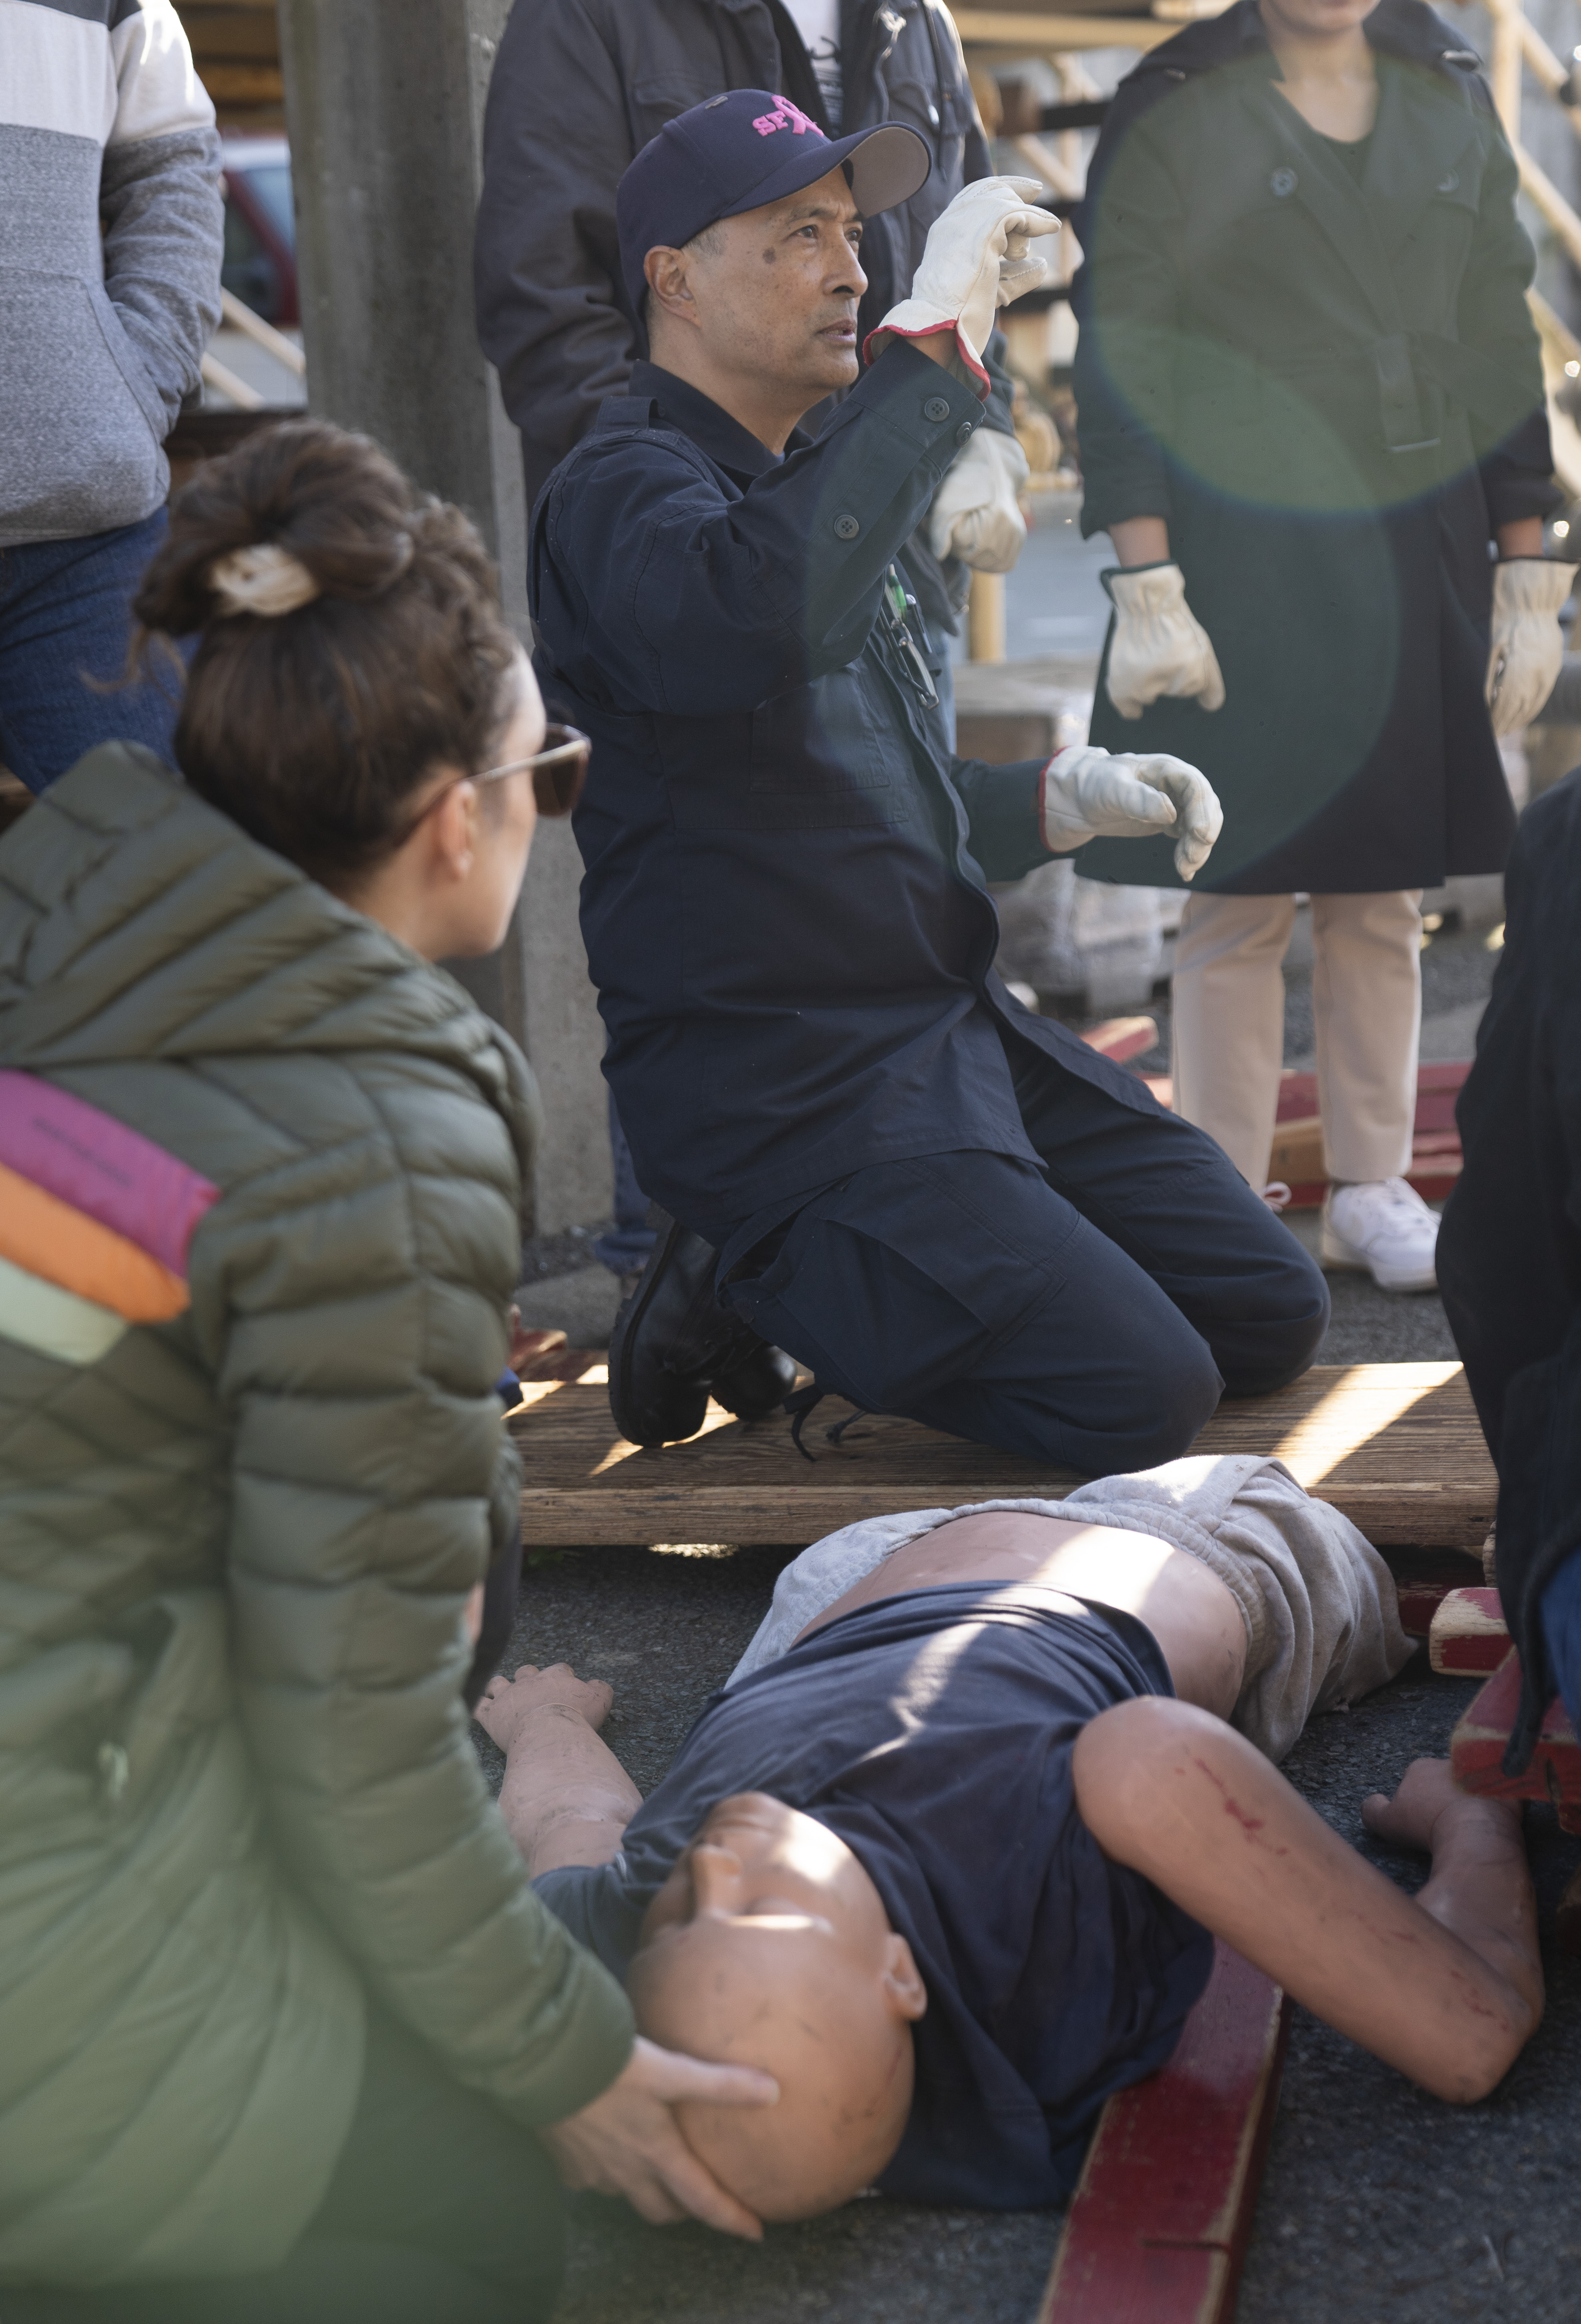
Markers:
<point>626,2142</point>
<point>974,261</point>
<point>1159,646</point>
<point>976,513</point>
<point>1527,645</point>
<point>556,1687</point>
<point>1085,793</point>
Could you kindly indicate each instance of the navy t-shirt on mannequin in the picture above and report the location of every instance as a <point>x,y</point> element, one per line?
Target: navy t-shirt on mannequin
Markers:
<point>933,1733</point>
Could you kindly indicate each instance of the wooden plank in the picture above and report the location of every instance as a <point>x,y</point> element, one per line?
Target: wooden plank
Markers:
<point>1467,1635</point>
<point>1158,2227</point>
<point>1476,1749</point>
<point>1396,1446</point>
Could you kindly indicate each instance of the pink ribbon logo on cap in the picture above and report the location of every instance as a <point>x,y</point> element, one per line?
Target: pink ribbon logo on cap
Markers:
<point>785,115</point>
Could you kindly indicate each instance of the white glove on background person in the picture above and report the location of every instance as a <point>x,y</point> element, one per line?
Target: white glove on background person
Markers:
<point>1159,646</point>
<point>1087,793</point>
<point>974,261</point>
<point>1527,645</point>
<point>977,510</point>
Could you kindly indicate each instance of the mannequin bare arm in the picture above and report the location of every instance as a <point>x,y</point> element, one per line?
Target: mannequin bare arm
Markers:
<point>1447,1986</point>
<point>566,1798</point>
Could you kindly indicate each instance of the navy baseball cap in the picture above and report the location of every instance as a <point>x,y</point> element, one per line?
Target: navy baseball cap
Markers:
<point>738,153</point>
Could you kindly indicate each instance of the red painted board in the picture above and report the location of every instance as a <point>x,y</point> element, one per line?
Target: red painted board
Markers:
<point>1468,1633</point>
<point>1477,1747</point>
<point>1121,1037</point>
<point>1158,2227</point>
<point>1424,1586</point>
<point>1435,1161</point>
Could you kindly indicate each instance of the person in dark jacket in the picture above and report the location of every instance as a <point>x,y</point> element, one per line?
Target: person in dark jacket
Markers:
<point>579,88</point>
<point>1310,398</point>
<point>943,1205</point>
<point>283,2033</point>
<point>1509,1252</point>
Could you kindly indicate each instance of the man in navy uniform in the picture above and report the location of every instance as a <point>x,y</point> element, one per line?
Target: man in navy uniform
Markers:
<point>870,1155</point>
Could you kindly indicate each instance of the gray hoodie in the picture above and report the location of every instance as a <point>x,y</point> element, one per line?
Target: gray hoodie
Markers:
<point>111,231</point>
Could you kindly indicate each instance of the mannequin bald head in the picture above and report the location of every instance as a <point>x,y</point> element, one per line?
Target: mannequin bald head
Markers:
<point>769,1946</point>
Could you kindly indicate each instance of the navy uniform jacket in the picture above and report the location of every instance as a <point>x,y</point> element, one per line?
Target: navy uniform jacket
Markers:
<point>784,904</point>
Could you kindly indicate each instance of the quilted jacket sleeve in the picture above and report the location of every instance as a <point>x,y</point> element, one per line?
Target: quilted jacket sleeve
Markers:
<point>358,1292</point>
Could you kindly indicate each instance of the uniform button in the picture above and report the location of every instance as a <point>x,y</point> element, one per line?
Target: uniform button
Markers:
<point>1282,182</point>
<point>936,409</point>
<point>1449,185</point>
<point>846,528</point>
<point>963,431</point>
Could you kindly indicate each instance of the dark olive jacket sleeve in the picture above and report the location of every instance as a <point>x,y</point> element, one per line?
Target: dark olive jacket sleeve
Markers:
<point>361,1335</point>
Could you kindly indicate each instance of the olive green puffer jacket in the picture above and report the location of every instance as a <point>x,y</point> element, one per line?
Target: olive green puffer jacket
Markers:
<point>236,1782</point>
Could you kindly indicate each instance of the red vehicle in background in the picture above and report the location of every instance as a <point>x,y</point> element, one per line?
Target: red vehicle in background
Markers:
<point>260,227</point>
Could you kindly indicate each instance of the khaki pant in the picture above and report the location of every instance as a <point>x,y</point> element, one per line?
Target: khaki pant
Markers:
<point>1366,1003</point>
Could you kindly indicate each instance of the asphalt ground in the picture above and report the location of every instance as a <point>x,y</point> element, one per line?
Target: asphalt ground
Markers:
<point>1380,2205</point>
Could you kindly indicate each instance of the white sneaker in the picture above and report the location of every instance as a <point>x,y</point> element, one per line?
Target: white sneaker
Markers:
<point>1384,1228</point>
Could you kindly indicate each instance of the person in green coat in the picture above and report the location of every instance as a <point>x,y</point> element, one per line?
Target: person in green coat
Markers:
<point>284,2032</point>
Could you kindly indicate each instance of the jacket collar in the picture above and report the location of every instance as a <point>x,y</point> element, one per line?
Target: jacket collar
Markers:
<point>680,406</point>
<point>1396,28</point>
<point>1420,136</point>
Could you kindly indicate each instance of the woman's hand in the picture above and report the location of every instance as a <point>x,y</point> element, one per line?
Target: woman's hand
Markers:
<point>627,2143</point>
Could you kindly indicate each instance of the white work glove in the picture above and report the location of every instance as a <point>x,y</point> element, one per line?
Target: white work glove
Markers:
<point>1088,794</point>
<point>1528,644</point>
<point>977,512</point>
<point>1159,646</point>
<point>974,261</point>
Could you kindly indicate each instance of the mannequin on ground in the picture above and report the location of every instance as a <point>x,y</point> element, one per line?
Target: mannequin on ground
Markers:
<point>946,1856</point>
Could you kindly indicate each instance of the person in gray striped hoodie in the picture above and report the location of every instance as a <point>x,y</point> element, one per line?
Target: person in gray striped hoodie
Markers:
<point>111,231</point>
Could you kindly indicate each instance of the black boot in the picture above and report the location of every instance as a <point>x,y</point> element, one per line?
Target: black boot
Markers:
<point>674,1345</point>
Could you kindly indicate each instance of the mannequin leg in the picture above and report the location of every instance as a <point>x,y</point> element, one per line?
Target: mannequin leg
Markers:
<point>1228,1017</point>
<point>1367,1009</point>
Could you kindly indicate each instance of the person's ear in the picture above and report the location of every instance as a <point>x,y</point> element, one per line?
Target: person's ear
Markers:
<point>903,1984</point>
<point>667,286</point>
<point>452,832</point>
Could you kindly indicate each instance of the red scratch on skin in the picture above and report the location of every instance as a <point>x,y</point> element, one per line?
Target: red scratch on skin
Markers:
<point>1250,1825</point>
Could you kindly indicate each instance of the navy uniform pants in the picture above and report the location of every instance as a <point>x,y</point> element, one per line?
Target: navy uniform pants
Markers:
<point>1089,1314</point>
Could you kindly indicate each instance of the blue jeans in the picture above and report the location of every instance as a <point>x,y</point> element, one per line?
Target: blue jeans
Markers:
<point>65,620</point>
<point>1561,1622</point>
<point>625,1248</point>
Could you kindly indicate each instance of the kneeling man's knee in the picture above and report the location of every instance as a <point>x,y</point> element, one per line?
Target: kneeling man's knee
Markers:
<point>1276,1339</point>
<point>1166,1409</point>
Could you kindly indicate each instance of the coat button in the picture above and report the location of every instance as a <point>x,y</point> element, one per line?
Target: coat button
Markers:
<point>846,528</point>
<point>964,432</point>
<point>1282,182</point>
<point>1450,184</point>
<point>936,409</point>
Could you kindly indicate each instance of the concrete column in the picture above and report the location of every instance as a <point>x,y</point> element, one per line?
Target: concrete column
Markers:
<point>384,107</point>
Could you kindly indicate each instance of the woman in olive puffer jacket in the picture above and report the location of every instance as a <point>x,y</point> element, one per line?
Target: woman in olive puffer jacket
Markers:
<point>277,2004</point>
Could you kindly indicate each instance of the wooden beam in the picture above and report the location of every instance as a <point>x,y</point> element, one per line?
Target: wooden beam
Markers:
<point>1158,2227</point>
<point>1396,1446</point>
<point>1000,28</point>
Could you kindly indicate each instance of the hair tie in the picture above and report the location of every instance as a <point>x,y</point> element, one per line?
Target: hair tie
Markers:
<point>264,579</point>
